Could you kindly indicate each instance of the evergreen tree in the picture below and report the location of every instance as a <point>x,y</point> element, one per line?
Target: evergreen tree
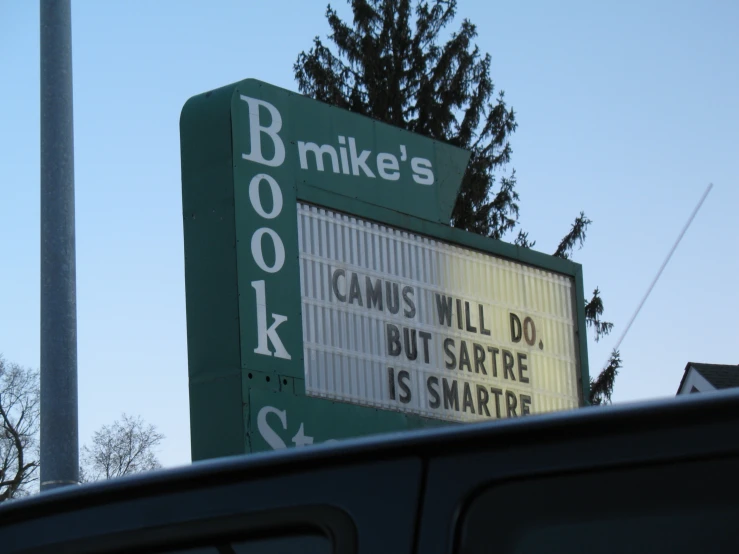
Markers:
<point>601,388</point>
<point>391,64</point>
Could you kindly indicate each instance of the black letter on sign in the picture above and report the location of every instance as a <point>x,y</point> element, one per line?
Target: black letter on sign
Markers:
<point>508,365</point>
<point>403,380</point>
<point>521,368</point>
<point>354,290</point>
<point>393,340</point>
<point>529,331</point>
<point>335,284</point>
<point>448,345</point>
<point>391,292</point>
<point>374,293</point>
<point>391,382</point>
<point>467,318</point>
<point>494,351</point>
<point>482,400</point>
<point>411,346</point>
<point>451,394</point>
<point>410,311</point>
<point>444,309</point>
<point>467,401</point>
<point>515,328</point>
<point>497,393</point>
<point>525,403</point>
<point>464,357</point>
<point>479,358</point>
<point>482,322</point>
<point>510,400</point>
<point>435,401</point>
<point>426,338</point>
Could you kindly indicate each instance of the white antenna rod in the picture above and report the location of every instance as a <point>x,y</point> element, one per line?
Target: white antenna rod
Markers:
<point>661,269</point>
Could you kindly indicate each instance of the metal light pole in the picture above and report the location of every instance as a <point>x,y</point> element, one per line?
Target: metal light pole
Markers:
<point>59,435</point>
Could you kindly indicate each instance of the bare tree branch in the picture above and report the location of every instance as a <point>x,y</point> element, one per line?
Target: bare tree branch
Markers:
<point>19,425</point>
<point>127,446</point>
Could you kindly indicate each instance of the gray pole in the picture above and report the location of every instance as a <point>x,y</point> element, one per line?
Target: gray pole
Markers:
<point>59,440</point>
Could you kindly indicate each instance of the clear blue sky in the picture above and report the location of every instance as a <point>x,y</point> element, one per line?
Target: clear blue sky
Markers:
<point>626,110</point>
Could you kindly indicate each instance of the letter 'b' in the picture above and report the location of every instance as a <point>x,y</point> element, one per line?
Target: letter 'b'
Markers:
<point>256,129</point>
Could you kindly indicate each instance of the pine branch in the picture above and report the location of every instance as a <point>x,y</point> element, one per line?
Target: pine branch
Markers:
<point>593,312</point>
<point>522,240</point>
<point>574,237</point>
<point>601,388</point>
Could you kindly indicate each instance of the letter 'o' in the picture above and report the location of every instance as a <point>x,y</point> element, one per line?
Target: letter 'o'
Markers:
<point>256,200</point>
<point>256,250</point>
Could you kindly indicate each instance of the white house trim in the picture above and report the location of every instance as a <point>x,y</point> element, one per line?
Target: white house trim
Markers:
<point>695,379</point>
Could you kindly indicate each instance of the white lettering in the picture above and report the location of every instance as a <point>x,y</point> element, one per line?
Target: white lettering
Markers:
<point>256,200</point>
<point>344,156</point>
<point>268,434</point>
<point>266,335</point>
<point>422,173</point>
<point>256,129</point>
<point>387,162</point>
<point>273,439</point>
<point>318,152</point>
<point>256,250</point>
<point>359,162</point>
<point>300,439</point>
<point>346,159</point>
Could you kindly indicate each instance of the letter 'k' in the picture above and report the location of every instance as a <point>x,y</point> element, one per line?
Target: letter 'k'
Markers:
<point>266,335</point>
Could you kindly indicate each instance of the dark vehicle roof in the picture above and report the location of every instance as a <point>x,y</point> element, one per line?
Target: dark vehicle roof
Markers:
<point>671,413</point>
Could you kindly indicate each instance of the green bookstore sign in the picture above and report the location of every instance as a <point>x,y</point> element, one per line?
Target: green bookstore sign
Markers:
<point>328,297</point>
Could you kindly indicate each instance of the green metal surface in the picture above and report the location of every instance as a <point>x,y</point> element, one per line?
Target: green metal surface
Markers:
<point>359,155</point>
<point>266,242</point>
<point>243,293</point>
<point>277,420</point>
<point>213,348</point>
<point>582,335</point>
<point>216,425</point>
